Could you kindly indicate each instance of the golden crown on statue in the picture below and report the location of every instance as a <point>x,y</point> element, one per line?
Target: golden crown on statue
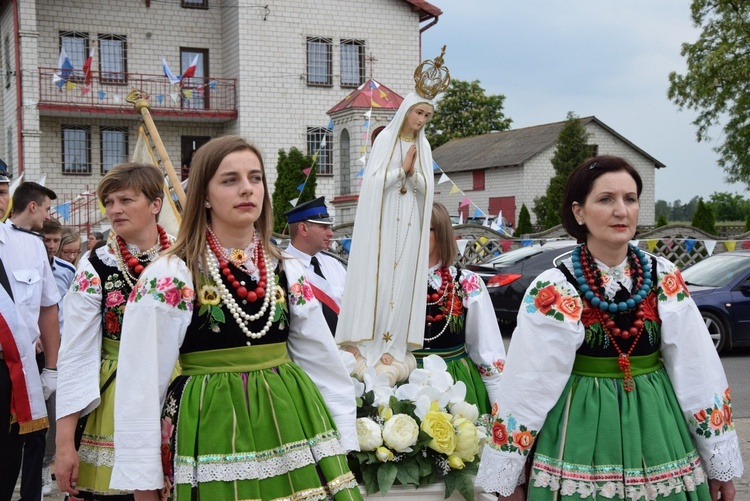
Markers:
<point>431,77</point>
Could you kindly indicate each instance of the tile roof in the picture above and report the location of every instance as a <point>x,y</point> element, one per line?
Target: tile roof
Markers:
<point>426,9</point>
<point>370,94</point>
<point>510,148</point>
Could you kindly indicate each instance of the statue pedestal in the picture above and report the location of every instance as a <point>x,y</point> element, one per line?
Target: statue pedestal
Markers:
<point>426,492</point>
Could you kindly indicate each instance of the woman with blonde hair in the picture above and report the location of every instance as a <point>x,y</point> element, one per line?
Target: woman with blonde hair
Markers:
<point>70,246</point>
<point>264,408</point>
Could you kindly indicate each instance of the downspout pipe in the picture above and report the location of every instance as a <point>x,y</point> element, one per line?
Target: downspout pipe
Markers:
<point>19,85</point>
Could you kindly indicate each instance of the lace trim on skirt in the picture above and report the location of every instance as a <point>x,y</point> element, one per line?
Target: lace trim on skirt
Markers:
<point>256,465</point>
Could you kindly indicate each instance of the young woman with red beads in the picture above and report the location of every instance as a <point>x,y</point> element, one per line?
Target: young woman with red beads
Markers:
<point>132,198</point>
<point>460,323</point>
<point>264,408</point>
<point>612,388</point>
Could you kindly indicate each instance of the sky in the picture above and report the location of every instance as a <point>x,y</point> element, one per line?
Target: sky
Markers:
<point>603,58</point>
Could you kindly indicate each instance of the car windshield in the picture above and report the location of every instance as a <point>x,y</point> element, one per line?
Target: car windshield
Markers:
<point>515,256</point>
<point>717,271</point>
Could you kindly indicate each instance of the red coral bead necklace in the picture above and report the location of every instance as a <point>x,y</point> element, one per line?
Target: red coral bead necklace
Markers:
<point>132,266</point>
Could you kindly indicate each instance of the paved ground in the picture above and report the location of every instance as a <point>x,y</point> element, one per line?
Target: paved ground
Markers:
<point>742,485</point>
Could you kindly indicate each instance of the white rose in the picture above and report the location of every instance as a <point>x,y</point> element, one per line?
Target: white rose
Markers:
<point>368,434</point>
<point>400,433</point>
<point>465,410</point>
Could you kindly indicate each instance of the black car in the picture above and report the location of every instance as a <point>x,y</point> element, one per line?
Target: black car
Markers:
<point>720,286</point>
<point>508,275</point>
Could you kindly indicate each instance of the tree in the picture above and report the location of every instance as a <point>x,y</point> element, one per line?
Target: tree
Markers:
<point>290,175</point>
<point>524,222</point>
<point>728,206</point>
<point>715,83</point>
<point>465,110</point>
<point>572,150</point>
<point>661,221</point>
<point>661,207</point>
<point>704,218</point>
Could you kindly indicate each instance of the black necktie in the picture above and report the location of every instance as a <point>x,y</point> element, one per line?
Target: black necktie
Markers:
<point>316,266</point>
<point>4,279</point>
<point>331,318</point>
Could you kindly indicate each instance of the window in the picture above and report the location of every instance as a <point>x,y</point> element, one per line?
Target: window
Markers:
<point>195,91</point>
<point>319,141</point>
<point>593,150</point>
<point>352,63</point>
<point>113,59</point>
<point>478,178</point>
<point>114,147</point>
<point>319,61</point>
<point>8,67</point>
<point>76,46</point>
<point>345,168</point>
<point>195,4</point>
<point>76,149</point>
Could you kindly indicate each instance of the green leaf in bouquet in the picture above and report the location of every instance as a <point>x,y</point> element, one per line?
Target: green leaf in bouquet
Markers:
<point>450,483</point>
<point>425,465</point>
<point>386,476</point>
<point>423,440</point>
<point>401,407</point>
<point>408,472</point>
<point>461,480</point>
<point>370,477</point>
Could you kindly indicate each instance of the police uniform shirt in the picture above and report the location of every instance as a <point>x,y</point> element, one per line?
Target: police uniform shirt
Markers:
<point>31,280</point>
<point>333,271</point>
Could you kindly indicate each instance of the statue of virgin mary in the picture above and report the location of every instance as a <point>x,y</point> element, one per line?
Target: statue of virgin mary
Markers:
<point>383,310</point>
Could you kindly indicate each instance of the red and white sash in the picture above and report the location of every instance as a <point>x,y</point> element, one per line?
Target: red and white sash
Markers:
<point>27,400</point>
<point>323,292</point>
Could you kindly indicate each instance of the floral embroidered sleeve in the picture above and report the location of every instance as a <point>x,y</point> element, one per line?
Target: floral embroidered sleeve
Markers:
<point>697,376</point>
<point>157,315</point>
<point>484,343</point>
<point>312,347</point>
<point>539,363</point>
<point>80,345</point>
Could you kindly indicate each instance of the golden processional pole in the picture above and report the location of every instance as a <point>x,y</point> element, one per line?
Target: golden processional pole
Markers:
<point>142,106</point>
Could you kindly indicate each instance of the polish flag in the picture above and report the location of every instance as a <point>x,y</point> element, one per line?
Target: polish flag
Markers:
<point>87,69</point>
<point>190,71</point>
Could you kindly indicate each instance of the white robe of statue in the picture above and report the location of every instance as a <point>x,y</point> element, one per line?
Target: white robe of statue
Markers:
<point>383,309</point>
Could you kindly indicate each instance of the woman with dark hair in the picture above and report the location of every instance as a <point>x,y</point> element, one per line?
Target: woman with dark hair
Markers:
<point>612,387</point>
<point>247,418</point>
<point>131,195</point>
<point>460,324</point>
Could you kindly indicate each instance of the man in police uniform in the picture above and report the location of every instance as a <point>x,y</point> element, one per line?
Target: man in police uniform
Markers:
<point>27,279</point>
<point>310,231</point>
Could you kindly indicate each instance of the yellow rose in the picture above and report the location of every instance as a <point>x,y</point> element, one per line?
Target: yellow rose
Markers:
<point>209,294</point>
<point>455,462</point>
<point>384,454</point>
<point>438,426</point>
<point>385,413</point>
<point>467,444</point>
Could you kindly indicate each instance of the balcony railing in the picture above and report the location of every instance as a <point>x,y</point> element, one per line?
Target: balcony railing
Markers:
<point>204,97</point>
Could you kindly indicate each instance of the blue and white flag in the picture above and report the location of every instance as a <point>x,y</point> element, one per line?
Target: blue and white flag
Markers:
<point>64,69</point>
<point>168,73</point>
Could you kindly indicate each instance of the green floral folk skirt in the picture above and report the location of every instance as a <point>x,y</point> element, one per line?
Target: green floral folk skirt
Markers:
<point>462,368</point>
<point>247,423</point>
<point>601,442</point>
<point>96,453</point>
